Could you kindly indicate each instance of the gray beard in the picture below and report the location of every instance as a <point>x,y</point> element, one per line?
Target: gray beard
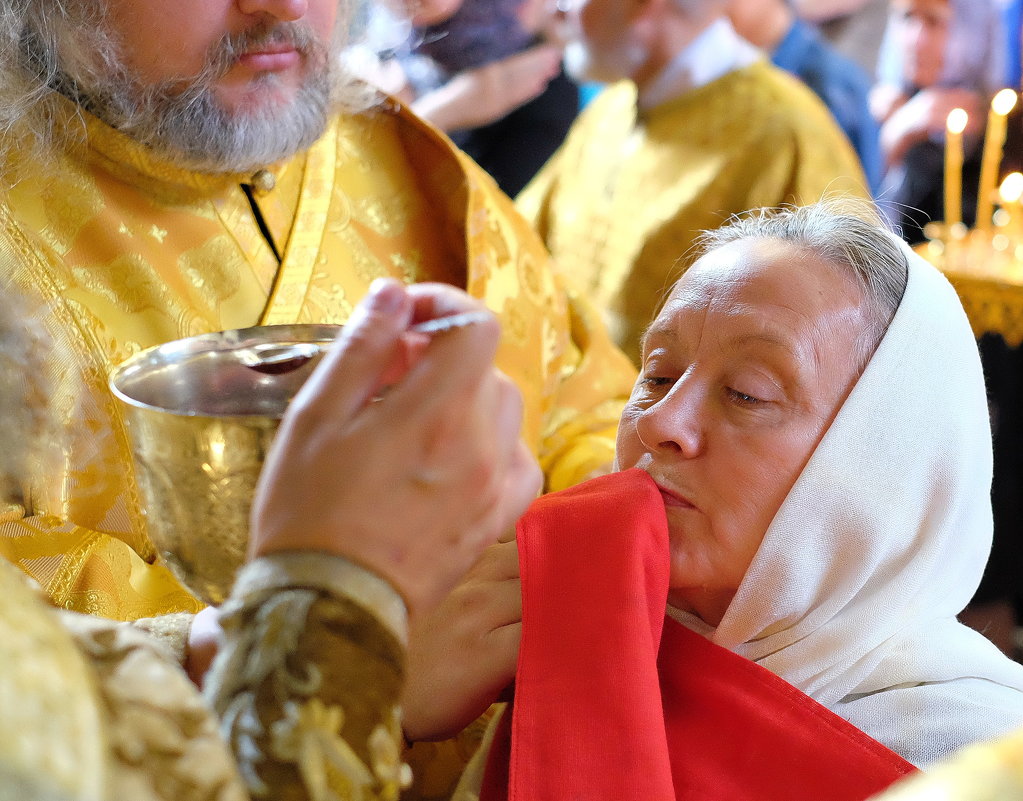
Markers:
<point>183,121</point>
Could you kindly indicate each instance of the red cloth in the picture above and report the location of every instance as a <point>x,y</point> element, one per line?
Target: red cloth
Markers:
<point>614,701</point>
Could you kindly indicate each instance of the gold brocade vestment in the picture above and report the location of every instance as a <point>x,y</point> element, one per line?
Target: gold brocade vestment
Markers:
<point>94,710</point>
<point>622,201</point>
<point>116,250</point>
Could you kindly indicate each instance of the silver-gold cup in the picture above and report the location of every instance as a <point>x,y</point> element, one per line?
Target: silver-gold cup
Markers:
<point>201,415</point>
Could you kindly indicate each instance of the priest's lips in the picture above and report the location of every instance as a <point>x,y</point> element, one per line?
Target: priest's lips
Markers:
<point>271,58</point>
<point>673,500</point>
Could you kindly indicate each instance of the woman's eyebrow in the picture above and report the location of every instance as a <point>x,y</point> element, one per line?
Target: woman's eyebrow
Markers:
<point>769,339</point>
<point>653,331</point>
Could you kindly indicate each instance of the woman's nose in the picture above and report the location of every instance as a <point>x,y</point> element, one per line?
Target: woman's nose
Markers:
<point>675,423</point>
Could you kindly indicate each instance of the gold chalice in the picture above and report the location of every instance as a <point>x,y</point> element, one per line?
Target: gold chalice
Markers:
<point>201,415</point>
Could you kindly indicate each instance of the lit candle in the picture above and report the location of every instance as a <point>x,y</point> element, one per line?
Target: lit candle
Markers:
<point>1010,193</point>
<point>994,141</point>
<point>955,124</point>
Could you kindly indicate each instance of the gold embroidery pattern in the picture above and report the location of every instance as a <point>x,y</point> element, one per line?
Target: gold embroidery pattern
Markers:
<point>309,735</point>
<point>52,732</point>
<point>281,715</point>
<point>165,744</point>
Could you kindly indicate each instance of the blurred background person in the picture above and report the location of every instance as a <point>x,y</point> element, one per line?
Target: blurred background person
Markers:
<point>854,27</point>
<point>484,72</point>
<point>794,46</point>
<point>937,55</point>
<point>507,133</point>
<point>696,127</point>
<point>1013,20</point>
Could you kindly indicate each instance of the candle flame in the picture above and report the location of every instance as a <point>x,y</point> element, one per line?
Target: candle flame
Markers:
<point>1011,189</point>
<point>956,121</point>
<point>1003,102</point>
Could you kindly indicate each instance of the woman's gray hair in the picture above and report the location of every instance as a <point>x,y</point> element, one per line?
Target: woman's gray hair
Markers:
<point>849,235</point>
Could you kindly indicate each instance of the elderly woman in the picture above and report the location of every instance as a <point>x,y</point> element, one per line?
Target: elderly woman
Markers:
<point>810,418</point>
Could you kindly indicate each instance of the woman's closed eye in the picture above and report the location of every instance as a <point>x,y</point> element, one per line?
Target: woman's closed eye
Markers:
<point>658,380</point>
<point>742,398</point>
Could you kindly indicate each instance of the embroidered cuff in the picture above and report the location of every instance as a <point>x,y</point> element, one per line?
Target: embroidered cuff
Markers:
<point>328,573</point>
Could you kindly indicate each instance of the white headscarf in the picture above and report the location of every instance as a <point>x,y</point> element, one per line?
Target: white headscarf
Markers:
<point>882,540</point>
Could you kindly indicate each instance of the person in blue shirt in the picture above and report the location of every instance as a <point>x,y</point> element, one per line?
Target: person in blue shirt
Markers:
<point>796,47</point>
<point>1012,14</point>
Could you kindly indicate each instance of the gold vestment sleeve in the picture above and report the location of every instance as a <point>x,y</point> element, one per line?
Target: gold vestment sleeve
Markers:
<point>307,684</point>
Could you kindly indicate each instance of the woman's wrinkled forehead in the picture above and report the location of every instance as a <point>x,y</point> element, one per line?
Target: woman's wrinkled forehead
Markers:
<point>758,267</point>
<point>763,289</point>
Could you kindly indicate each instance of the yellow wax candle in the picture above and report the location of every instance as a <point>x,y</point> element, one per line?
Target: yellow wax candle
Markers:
<point>955,124</point>
<point>994,141</point>
<point>1010,193</point>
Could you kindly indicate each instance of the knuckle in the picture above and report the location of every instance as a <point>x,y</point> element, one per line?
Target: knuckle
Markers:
<point>307,418</point>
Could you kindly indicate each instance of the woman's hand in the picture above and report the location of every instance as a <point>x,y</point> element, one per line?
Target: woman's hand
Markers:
<point>486,94</point>
<point>402,451</point>
<point>462,656</point>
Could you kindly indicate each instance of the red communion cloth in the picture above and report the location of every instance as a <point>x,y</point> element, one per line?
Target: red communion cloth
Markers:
<point>615,701</point>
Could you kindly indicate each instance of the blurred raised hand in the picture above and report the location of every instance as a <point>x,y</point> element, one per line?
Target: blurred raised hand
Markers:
<point>483,95</point>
